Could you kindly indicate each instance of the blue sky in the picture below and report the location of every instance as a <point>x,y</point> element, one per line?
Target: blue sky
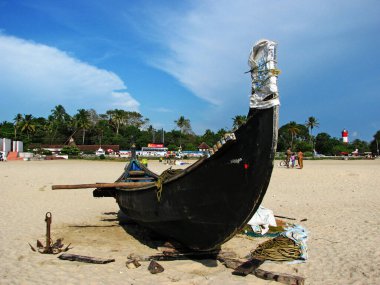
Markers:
<point>165,59</point>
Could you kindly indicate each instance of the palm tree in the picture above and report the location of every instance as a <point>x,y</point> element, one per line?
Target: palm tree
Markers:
<point>58,118</point>
<point>311,123</point>
<point>184,126</point>
<point>18,120</point>
<point>59,113</point>
<point>238,121</point>
<point>117,118</point>
<point>293,129</point>
<point>100,127</point>
<point>82,121</point>
<point>28,126</point>
<point>153,132</point>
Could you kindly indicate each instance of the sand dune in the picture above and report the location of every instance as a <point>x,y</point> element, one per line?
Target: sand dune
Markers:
<point>339,199</point>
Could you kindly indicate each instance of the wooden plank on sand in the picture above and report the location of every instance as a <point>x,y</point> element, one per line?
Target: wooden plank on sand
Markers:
<point>126,185</point>
<point>279,277</point>
<point>87,259</point>
<point>247,267</point>
<point>263,274</point>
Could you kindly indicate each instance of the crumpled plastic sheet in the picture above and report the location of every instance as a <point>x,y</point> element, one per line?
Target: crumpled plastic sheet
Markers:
<point>263,61</point>
<point>299,235</point>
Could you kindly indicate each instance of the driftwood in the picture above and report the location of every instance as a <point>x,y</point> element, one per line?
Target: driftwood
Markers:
<point>87,259</point>
<point>247,267</point>
<point>280,277</point>
<point>128,185</point>
<point>132,264</point>
<point>284,278</point>
<point>229,259</point>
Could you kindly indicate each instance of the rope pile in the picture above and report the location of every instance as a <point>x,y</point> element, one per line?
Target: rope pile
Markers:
<point>277,249</point>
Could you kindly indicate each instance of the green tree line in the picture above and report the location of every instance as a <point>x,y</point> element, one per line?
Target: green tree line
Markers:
<point>300,136</point>
<point>122,128</point>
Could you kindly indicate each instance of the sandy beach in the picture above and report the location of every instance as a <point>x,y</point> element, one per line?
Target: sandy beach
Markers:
<point>340,200</point>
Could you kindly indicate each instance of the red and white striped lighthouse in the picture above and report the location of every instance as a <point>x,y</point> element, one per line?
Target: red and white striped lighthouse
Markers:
<point>345,136</point>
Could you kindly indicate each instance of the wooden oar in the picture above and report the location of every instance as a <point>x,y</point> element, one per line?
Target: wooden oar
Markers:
<point>128,185</point>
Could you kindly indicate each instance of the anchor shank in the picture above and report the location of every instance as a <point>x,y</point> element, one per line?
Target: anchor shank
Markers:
<point>48,223</point>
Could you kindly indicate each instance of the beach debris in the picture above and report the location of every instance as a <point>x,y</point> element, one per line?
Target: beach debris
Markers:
<point>261,220</point>
<point>292,219</point>
<point>167,256</point>
<point>288,246</point>
<point>50,248</point>
<point>175,255</point>
<point>230,259</point>
<point>134,256</point>
<point>247,267</point>
<point>154,267</point>
<point>283,217</point>
<point>132,263</point>
<point>241,267</point>
<point>279,277</point>
<point>87,259</point>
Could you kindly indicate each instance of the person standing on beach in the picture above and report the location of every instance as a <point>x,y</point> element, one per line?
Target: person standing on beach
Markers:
<point>293,159</point>
<point>300,159</point>
<point>288,154</point>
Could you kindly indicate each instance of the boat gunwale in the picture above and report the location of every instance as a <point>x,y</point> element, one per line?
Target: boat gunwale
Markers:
<point>187,170</point>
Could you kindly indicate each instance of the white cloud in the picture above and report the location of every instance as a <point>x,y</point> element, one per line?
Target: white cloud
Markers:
<point>39,73</point>
<point>163,110</point>
<point>207,46</point>
<point>124,99</point>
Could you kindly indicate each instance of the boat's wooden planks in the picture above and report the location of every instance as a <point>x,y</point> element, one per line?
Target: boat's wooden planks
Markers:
<point>140,178</point>
<point>136,173</point>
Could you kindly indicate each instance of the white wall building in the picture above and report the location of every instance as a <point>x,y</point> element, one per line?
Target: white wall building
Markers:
<point>18,146</point>
<point>5,145</point>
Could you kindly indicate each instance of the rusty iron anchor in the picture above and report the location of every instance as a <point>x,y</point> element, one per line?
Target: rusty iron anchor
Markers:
<point>50,248</point>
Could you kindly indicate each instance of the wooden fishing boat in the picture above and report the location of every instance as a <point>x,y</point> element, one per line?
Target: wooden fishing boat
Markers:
<point>210,201</point>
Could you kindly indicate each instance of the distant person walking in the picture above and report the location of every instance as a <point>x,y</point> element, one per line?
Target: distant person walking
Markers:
<point>300,159</point>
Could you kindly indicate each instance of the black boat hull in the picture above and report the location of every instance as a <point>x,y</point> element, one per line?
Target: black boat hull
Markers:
<point>215,198</point>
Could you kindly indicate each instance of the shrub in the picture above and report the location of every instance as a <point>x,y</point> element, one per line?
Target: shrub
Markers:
<point>70,150</point>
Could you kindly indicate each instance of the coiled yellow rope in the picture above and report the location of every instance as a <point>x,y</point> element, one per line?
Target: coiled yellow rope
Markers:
<point>277,249</point>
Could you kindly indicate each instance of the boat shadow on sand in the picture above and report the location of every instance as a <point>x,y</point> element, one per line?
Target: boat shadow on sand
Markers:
<point>155,241</point>
<point>114,231</point>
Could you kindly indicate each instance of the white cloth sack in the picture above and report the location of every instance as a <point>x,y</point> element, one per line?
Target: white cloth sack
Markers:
<point>262,219</point>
